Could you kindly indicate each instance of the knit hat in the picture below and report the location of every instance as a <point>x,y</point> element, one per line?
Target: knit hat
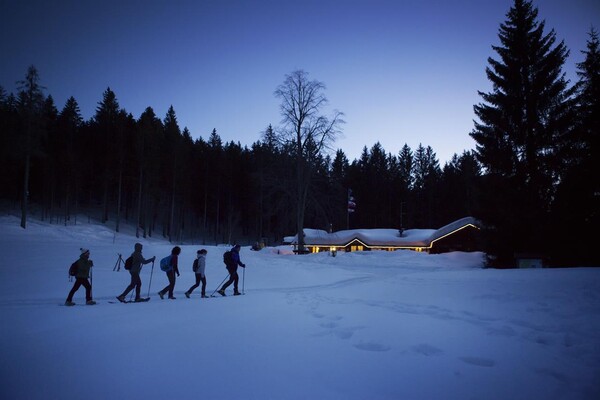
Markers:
<point>84,250</point>
<point>138,246</point>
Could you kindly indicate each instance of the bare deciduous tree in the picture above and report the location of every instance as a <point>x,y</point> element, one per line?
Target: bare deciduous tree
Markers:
<point>310,132</point>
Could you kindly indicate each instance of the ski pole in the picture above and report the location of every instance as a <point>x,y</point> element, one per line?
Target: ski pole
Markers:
<point>91,281</point>
<point>222,282</point>
<point>243,280</point>
<point>150,283</point>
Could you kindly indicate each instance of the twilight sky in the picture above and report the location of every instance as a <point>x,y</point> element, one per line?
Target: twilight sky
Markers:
<point>404,71</point>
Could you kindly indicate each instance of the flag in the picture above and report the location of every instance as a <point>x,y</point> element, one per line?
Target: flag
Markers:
<point>351,202</point>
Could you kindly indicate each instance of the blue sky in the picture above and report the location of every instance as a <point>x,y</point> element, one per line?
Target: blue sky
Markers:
<point>401,71</point>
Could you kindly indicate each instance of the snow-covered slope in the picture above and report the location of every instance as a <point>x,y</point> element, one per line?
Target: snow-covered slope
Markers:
<point>373,325</point>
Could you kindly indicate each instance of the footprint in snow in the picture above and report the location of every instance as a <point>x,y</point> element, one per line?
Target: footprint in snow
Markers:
<point>479,362</point>
<point>427,350</point>
<point>329,325</point>
<point>372,347</point>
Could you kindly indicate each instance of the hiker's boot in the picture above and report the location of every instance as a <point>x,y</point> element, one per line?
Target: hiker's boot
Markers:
<point>90,302</point>
<point>121,298</point>
<point>161,294</point>
<point>187,294</point>
<point>172,297</point>
<point>204,296</point>
<point>236,293</point>
<point>221,292</point>
<point>69,303</point>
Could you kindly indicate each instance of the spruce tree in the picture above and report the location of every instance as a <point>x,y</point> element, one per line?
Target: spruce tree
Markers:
<point>105,123</point>
<point>172,166</point>
<point>577,202</point>
<point>69,126</point>
<point>521,123</point>
<point>30,108</point>
<point>147,150</point>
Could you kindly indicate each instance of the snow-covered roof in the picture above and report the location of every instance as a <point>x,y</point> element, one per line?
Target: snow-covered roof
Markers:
<point>383,237</point>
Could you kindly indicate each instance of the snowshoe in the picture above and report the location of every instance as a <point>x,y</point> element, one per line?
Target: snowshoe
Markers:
<point>142,300</point>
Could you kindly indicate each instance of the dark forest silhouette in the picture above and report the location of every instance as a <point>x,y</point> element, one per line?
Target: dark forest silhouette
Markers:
<point>531,179</point>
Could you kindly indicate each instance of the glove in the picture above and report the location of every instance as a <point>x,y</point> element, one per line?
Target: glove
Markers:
<point>178,273</point>
<point>91,263</point>
<point>243,265</point>
<point>153,258</point>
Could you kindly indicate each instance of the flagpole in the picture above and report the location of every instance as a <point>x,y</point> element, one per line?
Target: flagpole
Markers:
<point>350,206</point>
<point>348,210</point>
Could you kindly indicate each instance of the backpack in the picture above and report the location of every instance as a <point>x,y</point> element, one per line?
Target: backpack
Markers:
<point>227,259</point>
<point>73,269</point>
<point>128,263</point>
<point>165,264</point>
<point>195,265</point>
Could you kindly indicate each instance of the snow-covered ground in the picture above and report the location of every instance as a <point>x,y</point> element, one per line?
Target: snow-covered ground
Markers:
<point>372,325</point>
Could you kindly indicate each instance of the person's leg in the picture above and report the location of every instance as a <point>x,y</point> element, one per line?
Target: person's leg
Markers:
<point>164,290</point>
<point>190,290</point>
<point>203,286</point>
<point>236,279</point>
<point>128,288</point>
<point>75,288</point>
<point>88,289</point>
<point>171,275</point>
<point>137,281</point>
<point>229,282</point>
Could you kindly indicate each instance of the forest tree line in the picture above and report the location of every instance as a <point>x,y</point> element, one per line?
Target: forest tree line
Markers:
<point>531,180</point>
<point>114,167</point>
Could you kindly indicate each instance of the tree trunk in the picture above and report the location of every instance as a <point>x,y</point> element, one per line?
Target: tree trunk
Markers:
<point>119,199</point>
<point>139,206</point>
<point>25,200</point>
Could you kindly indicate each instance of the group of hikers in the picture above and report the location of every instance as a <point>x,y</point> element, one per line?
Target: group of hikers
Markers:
<point>81,271</point>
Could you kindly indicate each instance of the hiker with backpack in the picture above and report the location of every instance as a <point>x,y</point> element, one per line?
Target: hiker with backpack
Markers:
<point>198,267</point>
<point>169,265</point>
<point>232,260</point>
<point>80,269</point>
<point>134,265</point>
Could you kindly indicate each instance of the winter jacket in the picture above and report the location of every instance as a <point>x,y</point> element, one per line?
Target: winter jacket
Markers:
<point>83,268</point>
<point>235,260</point>
<point>201,264</point>
<point>137,260</point>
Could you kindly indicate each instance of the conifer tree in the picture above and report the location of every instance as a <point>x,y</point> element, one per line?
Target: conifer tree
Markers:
<point>105,123</point>
<point>147,149</point>
<point>30,106</point>
<point>47,169</point>
<point>173,139</point>
<point>69,125</point>
<point>588,100</point>
<point>339,187</point>
<point>521,122</point>
<point>577,202</point>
